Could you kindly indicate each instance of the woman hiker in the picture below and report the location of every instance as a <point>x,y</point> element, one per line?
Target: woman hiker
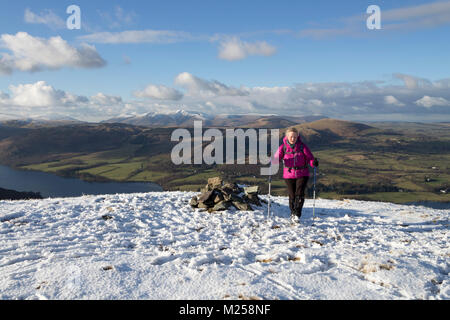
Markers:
<point>296,156</point>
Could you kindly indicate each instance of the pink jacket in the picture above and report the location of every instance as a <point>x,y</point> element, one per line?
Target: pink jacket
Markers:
<point>295,159</point>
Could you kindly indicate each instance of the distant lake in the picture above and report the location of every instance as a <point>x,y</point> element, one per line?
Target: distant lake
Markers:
<point>51,185</point>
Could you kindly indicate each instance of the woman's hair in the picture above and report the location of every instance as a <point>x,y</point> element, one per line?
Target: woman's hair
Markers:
<point>291,130</point>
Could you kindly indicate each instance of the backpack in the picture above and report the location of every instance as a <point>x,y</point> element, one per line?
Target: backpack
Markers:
<point>293,152</point>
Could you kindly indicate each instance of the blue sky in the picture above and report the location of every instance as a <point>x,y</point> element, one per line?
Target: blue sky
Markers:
<point>267,57</point>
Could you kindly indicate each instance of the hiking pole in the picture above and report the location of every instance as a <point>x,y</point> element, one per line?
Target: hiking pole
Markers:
<point>268,198</point>
<point>314,194</point>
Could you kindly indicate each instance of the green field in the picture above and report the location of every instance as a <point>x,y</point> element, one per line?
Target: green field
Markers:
<point>336,166</point>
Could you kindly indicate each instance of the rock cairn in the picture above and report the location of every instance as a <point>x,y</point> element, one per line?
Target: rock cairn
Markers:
<point>218,195</point>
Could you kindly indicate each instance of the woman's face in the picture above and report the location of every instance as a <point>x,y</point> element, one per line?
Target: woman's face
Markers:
<point>292,137</point>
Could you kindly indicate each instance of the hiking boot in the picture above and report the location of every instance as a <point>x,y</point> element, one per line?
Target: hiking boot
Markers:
<point>294,218</point>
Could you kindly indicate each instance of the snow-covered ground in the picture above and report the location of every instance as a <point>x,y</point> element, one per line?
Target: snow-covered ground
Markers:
<point>154,246</point>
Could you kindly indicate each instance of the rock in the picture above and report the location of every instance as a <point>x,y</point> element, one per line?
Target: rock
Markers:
<point>242,206</point>
<point>223,205</point>
<point>215,182</point>
<point>218,197</point>
<point>251,190</point>
<point>231,187</point>
<point>233,197</point>
<point>194,202</point>
<point>206,197</point>
<point>227,192</point>
<point>253,199</point>
<point>202,205</point>
<point>237,197</point>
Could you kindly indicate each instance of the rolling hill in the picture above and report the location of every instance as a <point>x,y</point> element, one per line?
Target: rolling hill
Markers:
<point>340,128</point>
<point>36,145</point>
<point>182,118</point>
<point>31,145</point>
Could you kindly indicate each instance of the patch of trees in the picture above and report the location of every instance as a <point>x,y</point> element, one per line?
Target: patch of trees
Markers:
<point>350,188</point>
<point>6,194</point>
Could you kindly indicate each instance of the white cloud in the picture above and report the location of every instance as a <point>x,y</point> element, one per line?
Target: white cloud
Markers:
<point>201,87</point>
<point>40,94</point>
<point>334,99</point>
<point>412,82</point>
<point>236,49</point>
<point>429,15</point>
<point>33,95</point>
<point>30,53</point>
<point>442,84</point>
<point>47,17</point>
<point>42,99</point>
<point>393,100</point>
<point>137,36</point>
<point>428,102</point>
<point>230,47</point>
<point>104,100</point>
<point>316,102</point>
<point>159,92</point>
<point>367,100</point>
<point>211,105</point>
<point>419,16</point>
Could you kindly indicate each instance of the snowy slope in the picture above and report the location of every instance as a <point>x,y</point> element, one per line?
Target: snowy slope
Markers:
<point>154,246</point>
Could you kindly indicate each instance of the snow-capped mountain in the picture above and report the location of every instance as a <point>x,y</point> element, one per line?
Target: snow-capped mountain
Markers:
<point>183,118</point>
<point>155,246</point>
<point>178,118</point>
<point>48,120</point>
<point>55,117</point>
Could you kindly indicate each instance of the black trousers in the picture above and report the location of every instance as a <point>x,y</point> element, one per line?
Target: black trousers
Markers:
<point>296,190</point>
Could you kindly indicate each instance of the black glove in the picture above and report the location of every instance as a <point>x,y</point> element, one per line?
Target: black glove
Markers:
<point>316,163</point>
